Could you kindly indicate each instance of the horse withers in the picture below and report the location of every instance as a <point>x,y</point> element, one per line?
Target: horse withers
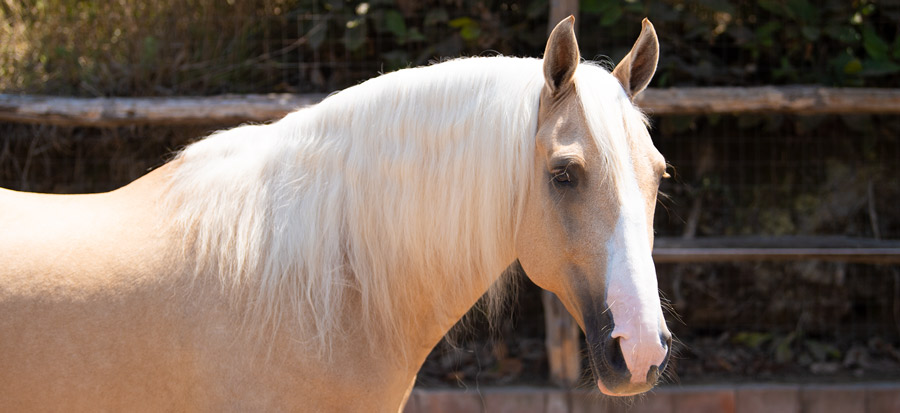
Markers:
<point>311,264</point>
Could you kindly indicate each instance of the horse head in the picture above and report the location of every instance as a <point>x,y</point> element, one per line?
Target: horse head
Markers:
<point>587,229</point>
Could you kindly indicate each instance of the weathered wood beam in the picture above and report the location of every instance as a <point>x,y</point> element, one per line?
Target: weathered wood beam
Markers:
<point>707,255</point>
<point>107,112</point>
<point>799,100</point>
<point>784,248</point>
<point>563,341</point>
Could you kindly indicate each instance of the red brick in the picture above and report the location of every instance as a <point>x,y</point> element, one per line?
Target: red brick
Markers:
<point>593,402</point>
<point>833,399</point>
<point>558,401</point>
<point>447,401</point>
<point>704,400</point>
<point>767,399</point>
<point>515,400</point>
<point>412,404</point>
<point>585,401</point>
<point>883,399</point>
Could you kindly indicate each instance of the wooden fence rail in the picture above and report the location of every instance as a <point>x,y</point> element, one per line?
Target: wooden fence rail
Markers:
<point>225,109</point>
<point>781,248</point>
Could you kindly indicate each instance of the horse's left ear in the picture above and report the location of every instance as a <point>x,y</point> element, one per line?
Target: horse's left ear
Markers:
<point>638,66</point>
<point>561,55</point>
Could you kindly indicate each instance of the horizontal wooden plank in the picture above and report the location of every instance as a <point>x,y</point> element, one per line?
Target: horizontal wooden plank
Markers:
<point>737,249</point>
<point>106,112</point>
<point>800,100</point>
<point>701,255</point>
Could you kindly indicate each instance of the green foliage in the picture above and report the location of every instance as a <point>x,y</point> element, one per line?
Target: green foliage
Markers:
<point>742,42</point>
<point>134,47</point>
<point>405,33</point>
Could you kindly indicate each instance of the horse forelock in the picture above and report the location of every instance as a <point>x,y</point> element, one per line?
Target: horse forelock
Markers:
<point>403,188</point>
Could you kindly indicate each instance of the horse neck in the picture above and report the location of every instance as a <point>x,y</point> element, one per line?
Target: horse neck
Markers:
<point>432,198</point>
<point>386,212</point>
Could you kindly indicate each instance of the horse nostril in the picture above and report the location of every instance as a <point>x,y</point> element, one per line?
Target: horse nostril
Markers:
<point>653,375</point>
<point>614,357</point>
<point>666,340</point>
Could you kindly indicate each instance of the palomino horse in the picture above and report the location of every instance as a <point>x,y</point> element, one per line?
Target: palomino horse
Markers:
<point>311,264</point>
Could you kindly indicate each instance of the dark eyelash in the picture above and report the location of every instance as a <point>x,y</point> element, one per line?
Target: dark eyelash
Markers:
<point>564,173</point>
<point>562,177</point>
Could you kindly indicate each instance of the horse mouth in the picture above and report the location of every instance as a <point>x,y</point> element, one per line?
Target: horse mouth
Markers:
<point>612,375</point>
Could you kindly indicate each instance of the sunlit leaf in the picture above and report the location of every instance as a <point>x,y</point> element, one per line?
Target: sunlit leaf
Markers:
<point>853,66</point>
<point>874,45</point>
<point>597,6</point>
<point>355,36</point>
<point>460,22</point>
<point>783,349</point>
<point>752,339</point>
<point>470,32</point>
<point>414,35</point>
<point>803,11</point>
<point>874,67</point>
<point>469,28</point>
<point>611,16</point>
<point>394,22</point>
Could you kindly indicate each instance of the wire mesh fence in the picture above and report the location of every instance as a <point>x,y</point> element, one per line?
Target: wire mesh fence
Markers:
<point>734,176</point>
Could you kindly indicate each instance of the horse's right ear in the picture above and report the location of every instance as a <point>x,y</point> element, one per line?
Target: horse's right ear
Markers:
<point>561,55</point>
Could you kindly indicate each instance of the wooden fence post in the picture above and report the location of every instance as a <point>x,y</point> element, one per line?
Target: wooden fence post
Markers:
<point>563,336</point>
<point>563,340</point>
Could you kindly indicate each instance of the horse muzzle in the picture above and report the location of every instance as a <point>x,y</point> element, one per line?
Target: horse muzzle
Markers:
<point>614,375</point>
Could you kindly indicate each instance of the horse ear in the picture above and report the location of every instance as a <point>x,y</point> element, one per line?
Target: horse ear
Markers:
<point>561,55</point>
<point>638,66</point>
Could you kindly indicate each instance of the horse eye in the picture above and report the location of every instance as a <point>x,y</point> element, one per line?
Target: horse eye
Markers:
<point>562,177</point>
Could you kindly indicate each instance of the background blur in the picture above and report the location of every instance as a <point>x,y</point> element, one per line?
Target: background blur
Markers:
<point>737,176</point>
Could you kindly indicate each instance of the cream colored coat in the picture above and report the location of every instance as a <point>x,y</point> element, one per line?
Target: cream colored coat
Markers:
<point>100,310</point>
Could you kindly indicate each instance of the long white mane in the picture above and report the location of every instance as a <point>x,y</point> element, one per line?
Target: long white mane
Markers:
<point>405,186</point>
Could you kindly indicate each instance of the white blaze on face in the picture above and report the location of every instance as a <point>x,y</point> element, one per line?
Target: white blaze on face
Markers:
<point>632,294</point>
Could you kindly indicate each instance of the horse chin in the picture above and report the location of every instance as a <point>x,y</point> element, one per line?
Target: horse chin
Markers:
<point>624,390</point>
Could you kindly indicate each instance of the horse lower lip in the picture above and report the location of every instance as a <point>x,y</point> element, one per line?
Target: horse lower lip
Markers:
<point>609,392</point>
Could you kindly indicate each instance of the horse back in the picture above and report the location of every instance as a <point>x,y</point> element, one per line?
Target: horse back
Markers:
<point>87,296</point>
